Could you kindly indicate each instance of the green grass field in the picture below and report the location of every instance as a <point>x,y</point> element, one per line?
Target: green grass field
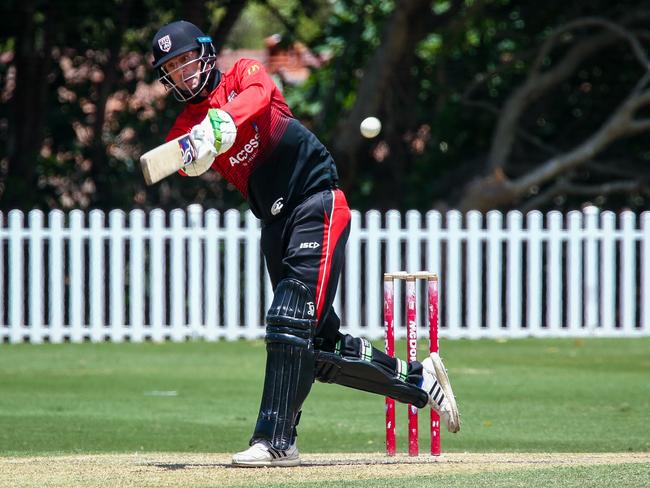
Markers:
<point>529,395</point>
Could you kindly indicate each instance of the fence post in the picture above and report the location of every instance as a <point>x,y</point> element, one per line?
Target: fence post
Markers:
<point>534,273</point>
<point>177,290</point>
<point>414,259</point>
<point>455,295</point>
<point>591,269</point>
<point>575,236</point>
<point>608,267</point>
<point>195,271</point>
<point>213,290</point>
<point>16,277</point>
<point>117,289</point>
<point>96,273</point>
<point>474,274</point>
<point>514,273</point>
<point>254,324</point>
<point>554,274</point>
<point>56,285</point>
<point>77,282</point>
<point>628,273</point>
<point>645,273</point>
<point>353,304</point>
<point>434,237</point>
<point>373,275</point>
<point>394,263</point>
<point>136,277</point>
<point>232,281</point>
<point>158,275</point>
<point>494,272</point>
<point>36,278</point>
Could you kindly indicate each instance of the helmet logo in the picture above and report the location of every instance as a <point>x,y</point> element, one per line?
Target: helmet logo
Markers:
<point>165,43</point>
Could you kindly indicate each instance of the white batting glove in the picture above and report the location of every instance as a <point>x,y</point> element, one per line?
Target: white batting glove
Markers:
<point>205,151</point>
<point>218,128</point>
<point>213,136</point>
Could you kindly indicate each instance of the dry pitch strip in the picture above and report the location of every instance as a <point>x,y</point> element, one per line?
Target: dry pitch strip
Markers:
<point>194,470</point>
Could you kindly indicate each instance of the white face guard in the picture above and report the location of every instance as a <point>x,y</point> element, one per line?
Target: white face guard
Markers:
<point>206,63</point>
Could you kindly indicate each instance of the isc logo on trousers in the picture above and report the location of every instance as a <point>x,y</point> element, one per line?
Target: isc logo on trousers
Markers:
<point>309,245</point>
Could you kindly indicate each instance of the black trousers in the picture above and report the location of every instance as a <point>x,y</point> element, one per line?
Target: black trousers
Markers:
<point>308,244</point>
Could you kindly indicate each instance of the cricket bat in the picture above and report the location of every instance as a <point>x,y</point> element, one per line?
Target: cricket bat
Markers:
<point>167,158</point>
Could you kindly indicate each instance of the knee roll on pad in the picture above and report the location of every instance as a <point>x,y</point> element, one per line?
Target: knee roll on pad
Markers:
<point>292,315</point>
<point>291,321</point>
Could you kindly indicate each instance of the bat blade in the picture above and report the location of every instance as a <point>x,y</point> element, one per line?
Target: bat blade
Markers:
<point>167,158</point>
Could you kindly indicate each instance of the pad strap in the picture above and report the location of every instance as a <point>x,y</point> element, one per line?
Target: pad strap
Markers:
<point>365,375</point>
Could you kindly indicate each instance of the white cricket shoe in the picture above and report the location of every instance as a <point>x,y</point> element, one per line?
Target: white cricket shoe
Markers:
<point>262,454</point>
<point>441,397</point>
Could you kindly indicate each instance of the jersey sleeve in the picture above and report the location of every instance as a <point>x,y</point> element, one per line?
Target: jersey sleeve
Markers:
<point>180,127</point>
<point>255,90</point>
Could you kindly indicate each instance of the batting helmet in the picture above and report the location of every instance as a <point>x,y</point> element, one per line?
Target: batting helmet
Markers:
<point>177,38</point>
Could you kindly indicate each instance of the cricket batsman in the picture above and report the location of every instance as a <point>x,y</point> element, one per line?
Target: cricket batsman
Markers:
<point>242,127</point>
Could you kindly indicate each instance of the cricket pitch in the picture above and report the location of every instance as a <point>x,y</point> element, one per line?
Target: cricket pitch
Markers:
<point>202,470</point>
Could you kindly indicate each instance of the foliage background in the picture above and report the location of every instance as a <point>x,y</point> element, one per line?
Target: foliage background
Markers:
<point>484,103</point>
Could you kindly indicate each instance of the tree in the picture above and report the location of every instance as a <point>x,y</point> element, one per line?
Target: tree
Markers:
<point>388,88</point>
<point>75,117</point>
<point>555,173</point>
<point>33,65</point>
<point>484,103</point>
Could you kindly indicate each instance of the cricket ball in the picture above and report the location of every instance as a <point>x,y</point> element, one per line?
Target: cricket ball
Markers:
<point>370,127</point>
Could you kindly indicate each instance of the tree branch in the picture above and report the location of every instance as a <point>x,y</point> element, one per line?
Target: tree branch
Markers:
<point>637,92</point>
<point>611,168</point>
<point>594,22</point>
<point>234,10</point>
<point>497,190</point>
<point>524,134</point>
<point>637,126</point>
<point>565,187</point>
<point>290,25</point>
<point>606,188</point>
<point>534,87</point>
<point>538,83</point>
<point>618,125</point>
<point>541,199</point>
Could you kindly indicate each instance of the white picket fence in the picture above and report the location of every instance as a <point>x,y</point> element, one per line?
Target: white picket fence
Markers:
<point>199,274</point>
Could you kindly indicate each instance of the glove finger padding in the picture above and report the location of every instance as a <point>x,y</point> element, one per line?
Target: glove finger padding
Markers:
<point>224,129</point>
<point>213,136</point>
<point>217,129</point>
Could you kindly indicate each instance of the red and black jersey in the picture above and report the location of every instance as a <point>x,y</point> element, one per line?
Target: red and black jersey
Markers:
<point>275,161</point>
